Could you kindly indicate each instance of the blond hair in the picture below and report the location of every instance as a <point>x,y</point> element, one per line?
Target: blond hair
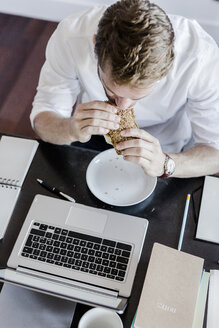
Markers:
<point>136,38</point>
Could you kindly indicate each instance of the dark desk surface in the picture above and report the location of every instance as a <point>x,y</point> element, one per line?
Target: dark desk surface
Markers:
<point>65,167</point>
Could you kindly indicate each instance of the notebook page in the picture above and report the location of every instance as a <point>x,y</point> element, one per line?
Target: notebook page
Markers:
<point>24,308</point>
<point>16,155</point>
<point>208,221</point>
<point>8,199</point>
<point>213,300</point>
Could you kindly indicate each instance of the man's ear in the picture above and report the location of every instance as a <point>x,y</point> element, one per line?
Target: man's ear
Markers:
<point>94,39</point>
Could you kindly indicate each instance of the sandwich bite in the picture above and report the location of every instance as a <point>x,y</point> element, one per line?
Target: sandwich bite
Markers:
<point>127,120</point>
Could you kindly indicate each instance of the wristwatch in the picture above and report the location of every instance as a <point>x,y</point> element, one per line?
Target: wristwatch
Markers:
<point>169,167</point>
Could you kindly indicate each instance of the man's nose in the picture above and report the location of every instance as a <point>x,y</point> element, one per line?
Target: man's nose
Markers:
<point>123,103</point>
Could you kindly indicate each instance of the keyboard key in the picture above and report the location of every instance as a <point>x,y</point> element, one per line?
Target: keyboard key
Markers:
<point>25,255</point>
<point>36,252</point>
<point>27,250</point>
<point>84,237</point>
<point>110,276</point>
<point>50,261</point>
<point>103,248</point>
<point>106,270</point>
<point>91,259</point>
<point>43,259</point>
<point>105,262</point>
<point>92,266</point>
<point>43,254</point>
<point>37,232</point>
<point>57,230</point>
<point>114,272</point>
<point>70,247</point>
<point>67,265</point>
<point>119,278</point>
<point>43,227</point>
<point>55,236</point>
<point>63,245</point>
<point>112,264</point>
<point>98,254</point>
<point>77,249</point>
<point>122,259</point>
<point>109,243</point>
<point>70,253</point>
<point>117,251</point>
<point>29,240</point>
<point>112,257</point>
<point>64,232</point>
<point>125,254</point>
<point>84,257</point>
<point>124,246</point>
<point>62,238</point>
<point>64,259</point>
<point>96,246</point>
<point>121,266</point>
<point>84,250</point>
<point>121,273</point>
<point>57,257</point>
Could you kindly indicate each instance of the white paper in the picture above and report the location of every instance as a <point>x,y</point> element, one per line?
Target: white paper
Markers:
<point>213,300</point>
<point>16,156</point>
<point>208,221</point>
<point>23,308</point>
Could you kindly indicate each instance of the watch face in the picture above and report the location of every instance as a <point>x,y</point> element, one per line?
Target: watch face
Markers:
<point>170,166</point>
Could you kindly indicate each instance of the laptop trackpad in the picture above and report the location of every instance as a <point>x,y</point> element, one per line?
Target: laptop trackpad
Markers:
<point>86,219</point>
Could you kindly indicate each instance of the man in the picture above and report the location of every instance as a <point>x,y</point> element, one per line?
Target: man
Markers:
<point>132,53</point>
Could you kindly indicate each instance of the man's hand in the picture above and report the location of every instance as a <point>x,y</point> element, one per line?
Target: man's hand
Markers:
<point>96,117</point>
<point>143,149</point>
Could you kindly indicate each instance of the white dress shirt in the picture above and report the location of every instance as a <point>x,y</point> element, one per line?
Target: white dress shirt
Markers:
<point>183,106</point>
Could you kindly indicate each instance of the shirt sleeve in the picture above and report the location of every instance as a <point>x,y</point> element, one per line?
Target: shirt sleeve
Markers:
<point>203,97</point>
<point>58,86</point>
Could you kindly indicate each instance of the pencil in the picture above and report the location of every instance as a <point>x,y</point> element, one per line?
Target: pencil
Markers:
<point>184,221</point>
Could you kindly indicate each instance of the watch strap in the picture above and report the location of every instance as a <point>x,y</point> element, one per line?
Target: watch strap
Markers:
<point>166,173</point>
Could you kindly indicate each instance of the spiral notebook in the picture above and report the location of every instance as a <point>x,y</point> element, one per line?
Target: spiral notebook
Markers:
<point>16,155</point>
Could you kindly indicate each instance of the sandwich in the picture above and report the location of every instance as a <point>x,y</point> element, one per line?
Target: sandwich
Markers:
<point>127,120</point>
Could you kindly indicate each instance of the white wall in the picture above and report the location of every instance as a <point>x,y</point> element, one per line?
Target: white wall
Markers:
<point>206,12</point>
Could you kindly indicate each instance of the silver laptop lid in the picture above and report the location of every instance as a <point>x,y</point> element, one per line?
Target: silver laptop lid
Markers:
<point>87,221</point>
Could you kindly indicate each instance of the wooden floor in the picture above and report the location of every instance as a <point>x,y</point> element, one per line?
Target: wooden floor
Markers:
<point>22,54</point>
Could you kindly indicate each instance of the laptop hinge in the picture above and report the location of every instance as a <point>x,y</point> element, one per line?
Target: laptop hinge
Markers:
<point>69,282</point>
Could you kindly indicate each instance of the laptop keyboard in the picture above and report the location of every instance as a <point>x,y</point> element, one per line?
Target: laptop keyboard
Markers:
<point>77,251</point>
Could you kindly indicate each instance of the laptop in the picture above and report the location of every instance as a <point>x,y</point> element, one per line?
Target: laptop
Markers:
<point>77,252</point>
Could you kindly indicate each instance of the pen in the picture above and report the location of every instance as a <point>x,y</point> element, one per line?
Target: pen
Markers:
<point>184,221</point>
<point>55,190</point>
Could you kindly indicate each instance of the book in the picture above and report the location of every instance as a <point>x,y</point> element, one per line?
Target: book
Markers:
<point>213,300</point>
<point>208,220</point>
<point>201,301</point>
<point>16,155</point>
<point>170,289</point>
